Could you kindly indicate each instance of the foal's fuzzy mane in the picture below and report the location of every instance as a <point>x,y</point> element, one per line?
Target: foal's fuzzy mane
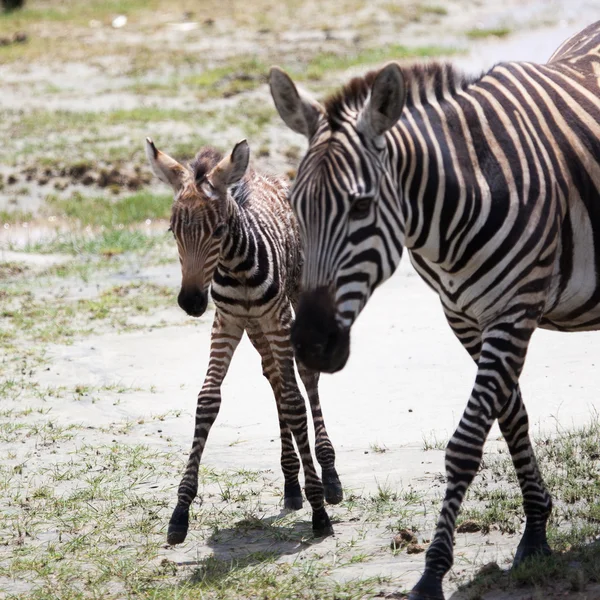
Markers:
<point>206,159</point>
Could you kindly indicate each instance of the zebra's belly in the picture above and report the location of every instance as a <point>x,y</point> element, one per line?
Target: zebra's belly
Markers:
<point>577,306</point>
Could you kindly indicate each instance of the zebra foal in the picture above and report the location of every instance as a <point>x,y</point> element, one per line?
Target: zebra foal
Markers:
<point>235,232</point>
<point>493,186</point>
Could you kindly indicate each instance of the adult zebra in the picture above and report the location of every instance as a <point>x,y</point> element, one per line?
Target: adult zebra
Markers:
<point>493,185</point>
<point>236,232</point>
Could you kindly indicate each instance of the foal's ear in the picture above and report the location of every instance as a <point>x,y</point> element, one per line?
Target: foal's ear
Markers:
<point>231,168</point>
<point>167,169</point>
<point>385,103</point>
<point>298,110</point>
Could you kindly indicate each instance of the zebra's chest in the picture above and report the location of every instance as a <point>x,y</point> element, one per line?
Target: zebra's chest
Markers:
<point>249,296</point>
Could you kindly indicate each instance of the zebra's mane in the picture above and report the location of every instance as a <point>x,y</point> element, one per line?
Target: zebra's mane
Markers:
<point>440,78</point>
<point>206,159</point>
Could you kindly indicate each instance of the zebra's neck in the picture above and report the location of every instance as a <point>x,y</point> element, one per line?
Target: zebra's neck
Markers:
<point>434,167</point>
<point>238,243</point>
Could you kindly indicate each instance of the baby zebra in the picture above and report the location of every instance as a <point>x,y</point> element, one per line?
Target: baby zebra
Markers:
<point>236,231</point>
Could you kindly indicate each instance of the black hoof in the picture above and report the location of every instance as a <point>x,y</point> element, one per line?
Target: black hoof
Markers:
<point>292,496</point>
<point>332,486</point>
<point>178,525</point>
<point>321,524</point>
<point>533,543</point>
<point>428,588</point>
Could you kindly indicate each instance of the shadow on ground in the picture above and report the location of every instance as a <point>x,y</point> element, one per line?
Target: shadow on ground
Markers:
<point>573,575</point>
<point>250,542</point>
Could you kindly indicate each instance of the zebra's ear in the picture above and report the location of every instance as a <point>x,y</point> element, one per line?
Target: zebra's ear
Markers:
<point>167,169</point>
<point>385,102</point>
<point>231,168</point>
<point>298,110</point>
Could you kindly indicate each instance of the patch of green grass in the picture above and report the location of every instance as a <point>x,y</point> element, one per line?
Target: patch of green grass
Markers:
<point>569,463</point>
<point>15,216</point>
<point>104,211</point>
<point>39,121</point>
<point>434,9</point>
<point>9,270</point>
<point>321,64</point>
<point>106,244</point>
<point>432,442</point>
<point>477,34</point>
<point>230,79</point>
<point>25,317</point>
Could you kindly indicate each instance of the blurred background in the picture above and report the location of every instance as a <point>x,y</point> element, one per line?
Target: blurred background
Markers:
<point>83,83</point>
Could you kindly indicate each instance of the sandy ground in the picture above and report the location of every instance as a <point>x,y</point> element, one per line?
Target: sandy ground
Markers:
<point>406,383</point>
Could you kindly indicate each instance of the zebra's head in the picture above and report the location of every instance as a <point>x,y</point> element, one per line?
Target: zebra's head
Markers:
<point>200,214</point>
<point>350,237</point>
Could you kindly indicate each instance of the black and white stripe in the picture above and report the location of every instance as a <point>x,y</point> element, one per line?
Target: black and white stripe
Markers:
<point>493,186</point>
<point>236,234</point>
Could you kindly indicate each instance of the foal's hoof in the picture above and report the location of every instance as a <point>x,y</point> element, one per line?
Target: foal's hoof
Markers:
<point>321,524</point>
<point>332,486</point>
<point>178,525</point>
<point>428,588</point>
<point>292,496</point>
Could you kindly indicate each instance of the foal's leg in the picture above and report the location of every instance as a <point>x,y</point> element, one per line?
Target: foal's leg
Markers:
<point>290,464</point>
<point>225,337</point>
<point>293,411</point>
<point>503,350</point>
<point>323,446</point>
<point>537,502</point>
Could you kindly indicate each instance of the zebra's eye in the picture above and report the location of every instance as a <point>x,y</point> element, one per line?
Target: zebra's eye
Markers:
<point>219,231</point>
<point>360,207</point>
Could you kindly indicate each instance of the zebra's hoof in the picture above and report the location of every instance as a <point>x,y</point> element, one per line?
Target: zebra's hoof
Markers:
<point>531,544</point>
<point>178,525</point>
<point>292,502</point>
<point>428,588</point>
<point>332,486</point>
<point>321,524</point>
<point>292,496</point>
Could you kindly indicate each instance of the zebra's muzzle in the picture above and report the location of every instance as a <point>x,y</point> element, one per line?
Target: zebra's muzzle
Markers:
<point>319,342</point>
<point>193,301</point>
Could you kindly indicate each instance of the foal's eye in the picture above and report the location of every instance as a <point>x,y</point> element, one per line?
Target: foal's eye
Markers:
<point>360,207</point>
<point>219,231</point>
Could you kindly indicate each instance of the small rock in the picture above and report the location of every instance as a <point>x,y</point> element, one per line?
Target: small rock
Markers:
<point>414,549</point>
<point>403,538</point>
<point>11,179</point>
<point>468,526</point>
<point>88,179</point>
<point>119,22</point>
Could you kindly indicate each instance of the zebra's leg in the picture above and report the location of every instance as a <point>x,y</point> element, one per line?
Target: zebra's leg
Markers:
<point>324,450</point>
<point>290,464</point>
<point>537,502</point>
<point>293,411</point>
<point>514,424</point>
<point>225,337</point>
<point>503,350</point>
